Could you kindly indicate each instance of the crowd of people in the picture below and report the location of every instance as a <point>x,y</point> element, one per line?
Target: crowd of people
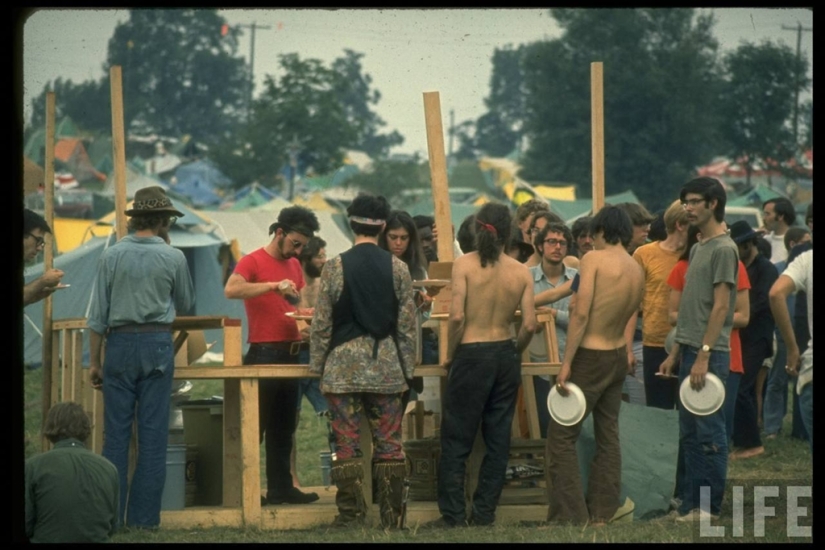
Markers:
<point>634,315</point>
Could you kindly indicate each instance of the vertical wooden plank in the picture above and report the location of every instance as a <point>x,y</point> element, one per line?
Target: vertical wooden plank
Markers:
<point>232,346</point>
<point>232,444</point>
<point>77,365</point>
<point>438,175</point>
<point>250,451</point>
<point>118,149</point>
<point>63,361</point>
<point>48,255</point>
<point>597,132</point>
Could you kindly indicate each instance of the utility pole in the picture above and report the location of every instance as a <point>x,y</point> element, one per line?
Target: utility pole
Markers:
<point>798,30</point>
<point>294,149</point>
<point>253,26</point>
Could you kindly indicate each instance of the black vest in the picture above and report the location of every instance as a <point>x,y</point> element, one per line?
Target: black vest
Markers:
<point>368,304</point>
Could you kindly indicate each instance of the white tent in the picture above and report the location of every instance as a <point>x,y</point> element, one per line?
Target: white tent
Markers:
<point>250,228</point>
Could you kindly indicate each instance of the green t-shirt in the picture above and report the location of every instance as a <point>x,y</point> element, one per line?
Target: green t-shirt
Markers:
<point>72,495</point>
<point>711,262</point>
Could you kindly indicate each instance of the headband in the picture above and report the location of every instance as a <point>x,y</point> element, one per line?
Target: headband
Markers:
<point>488,227</point>
<point>366,221</point>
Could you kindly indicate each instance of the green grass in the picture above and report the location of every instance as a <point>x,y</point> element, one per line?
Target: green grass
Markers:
<point>785,458</point>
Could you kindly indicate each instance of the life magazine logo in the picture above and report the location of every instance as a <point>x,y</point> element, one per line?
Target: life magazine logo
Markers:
<point>758,510</point>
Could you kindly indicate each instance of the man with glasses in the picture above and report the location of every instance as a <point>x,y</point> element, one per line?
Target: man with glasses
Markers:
<point>34,231</point>
<point>552,242</point>
<point>703,329</point>
<point>142,284</point>
<point>269,281</point>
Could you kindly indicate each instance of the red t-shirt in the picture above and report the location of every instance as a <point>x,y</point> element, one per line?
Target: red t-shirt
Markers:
<point>676,281</point>
<point>266,313</point>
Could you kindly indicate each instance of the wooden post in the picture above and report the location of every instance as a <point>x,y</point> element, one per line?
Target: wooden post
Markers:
<point>118,149</point>
<point>48,262</point>
<point>597,132</point>
<point>438,175</point>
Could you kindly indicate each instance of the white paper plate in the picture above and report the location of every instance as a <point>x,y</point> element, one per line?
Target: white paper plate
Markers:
<point>430,283</point>
<point>705,401</point>
<point>569,410</point>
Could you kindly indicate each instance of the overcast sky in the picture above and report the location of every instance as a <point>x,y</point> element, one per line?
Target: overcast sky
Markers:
<point>407,52</point>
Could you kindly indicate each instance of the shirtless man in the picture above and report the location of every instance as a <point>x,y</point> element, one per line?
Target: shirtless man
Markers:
<point>484,367</point>
<point>595,359</point>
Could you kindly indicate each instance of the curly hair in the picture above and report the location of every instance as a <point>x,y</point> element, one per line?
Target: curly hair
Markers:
<point>296,218</point>
<point>311,249</point>
<point>148,221</point>
<point>493,224</point>
<point>67,420</point>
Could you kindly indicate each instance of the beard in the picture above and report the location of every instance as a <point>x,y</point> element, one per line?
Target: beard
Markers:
<point>431,255</point>
<point>312,271</point>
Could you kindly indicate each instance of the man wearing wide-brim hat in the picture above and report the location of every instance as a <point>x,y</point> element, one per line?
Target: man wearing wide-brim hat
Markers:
<point>142,283</point>
<point>756,338</point>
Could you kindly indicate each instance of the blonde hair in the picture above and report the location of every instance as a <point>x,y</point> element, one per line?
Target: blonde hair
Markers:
<point>675,214</point>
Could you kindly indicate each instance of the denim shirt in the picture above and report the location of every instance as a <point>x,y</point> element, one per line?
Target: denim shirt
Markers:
<point>140,280</point>
<point>537,349</point>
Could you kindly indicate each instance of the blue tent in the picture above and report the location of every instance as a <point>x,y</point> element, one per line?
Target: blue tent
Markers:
<point>199,181</point>
<point>80,267</point>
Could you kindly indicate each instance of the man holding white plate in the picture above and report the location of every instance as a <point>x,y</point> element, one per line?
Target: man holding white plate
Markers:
<point>593,371</point>
<point>703,329</point>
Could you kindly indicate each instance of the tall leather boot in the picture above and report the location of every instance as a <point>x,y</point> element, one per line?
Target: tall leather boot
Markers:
<point>347,475</point>
<point>388,490</point>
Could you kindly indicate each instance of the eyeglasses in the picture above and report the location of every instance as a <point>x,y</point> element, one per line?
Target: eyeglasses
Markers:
<point>172,220</point>
<point>555,242</point>
<point>38,241</point>
<point>692,203</point>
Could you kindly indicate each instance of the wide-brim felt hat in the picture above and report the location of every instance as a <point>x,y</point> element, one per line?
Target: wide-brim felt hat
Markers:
<point>741,231</point>
<point>152,200</point>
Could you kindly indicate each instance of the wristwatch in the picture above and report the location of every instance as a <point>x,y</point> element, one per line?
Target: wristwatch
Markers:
<point>706,348</point>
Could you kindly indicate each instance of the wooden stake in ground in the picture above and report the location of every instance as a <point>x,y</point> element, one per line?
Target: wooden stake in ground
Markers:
<point>597,132</point>
<point>438,175</point>
<point>118,149</point>
<point>49,387</point>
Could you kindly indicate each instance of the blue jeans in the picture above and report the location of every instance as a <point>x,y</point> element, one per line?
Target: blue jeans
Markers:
<point>137,385</point>
<point>482,385</point>
<point>775,404</point>
<point>703,439</point>
<point>806,409</point>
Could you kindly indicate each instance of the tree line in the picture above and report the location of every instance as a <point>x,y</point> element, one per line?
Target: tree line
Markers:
<point>672,100</point>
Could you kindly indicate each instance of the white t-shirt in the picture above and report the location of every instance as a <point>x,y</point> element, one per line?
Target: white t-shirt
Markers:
<point>801,272</point>
<point>778,251</point>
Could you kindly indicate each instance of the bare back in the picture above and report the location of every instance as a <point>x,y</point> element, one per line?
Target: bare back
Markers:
<point>489,296</point>
<point>612,285</point>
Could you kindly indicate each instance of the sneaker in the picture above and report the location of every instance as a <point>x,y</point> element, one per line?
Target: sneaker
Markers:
<point>696,514</point>
<point>624,512</point>
<point>293,496</point>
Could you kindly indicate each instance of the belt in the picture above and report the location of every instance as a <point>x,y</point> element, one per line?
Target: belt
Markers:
<point>291,347</point>
<point>143,327</point>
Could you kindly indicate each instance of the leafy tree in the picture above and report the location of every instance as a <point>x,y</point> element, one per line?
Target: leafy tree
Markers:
<point>180,76</point>
<point>498,131</point>
<point>661,87</point>
<point>88,103</point>
<point>327,110</point>
<point>353,91</point>
<point>389,178</point>
<point>759,102</point>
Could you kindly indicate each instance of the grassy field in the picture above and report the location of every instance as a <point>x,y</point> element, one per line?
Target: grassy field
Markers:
<point>785,458</point>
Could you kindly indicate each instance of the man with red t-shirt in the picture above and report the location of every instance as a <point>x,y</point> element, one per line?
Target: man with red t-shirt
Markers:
<point>269,281</point>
